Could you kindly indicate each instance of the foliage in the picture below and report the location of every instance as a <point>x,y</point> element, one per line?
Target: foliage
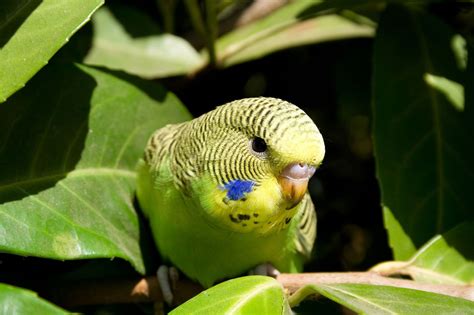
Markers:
<point>369,299</point>
<point>446,259</point>
<point>70,193</point>
<point>20,301</point>
<point>74,129</point>
<point>31,32</point>
<point>252,294</point>
<point>150,57</point>
<point>415,122</point>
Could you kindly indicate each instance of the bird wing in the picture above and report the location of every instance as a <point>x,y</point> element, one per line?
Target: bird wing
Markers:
<point>306,230</point>
<point>157,152</point>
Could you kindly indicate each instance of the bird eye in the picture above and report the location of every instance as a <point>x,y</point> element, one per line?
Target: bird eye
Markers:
<point>259,145</point>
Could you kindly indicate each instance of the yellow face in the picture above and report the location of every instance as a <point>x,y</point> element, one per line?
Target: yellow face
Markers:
<point>256,165</point>
<point>258,211</point>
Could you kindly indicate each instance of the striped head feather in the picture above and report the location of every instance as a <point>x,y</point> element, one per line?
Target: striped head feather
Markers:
<point>232,157</point>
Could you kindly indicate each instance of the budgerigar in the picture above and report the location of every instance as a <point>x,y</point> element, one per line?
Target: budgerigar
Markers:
<point>227,191</point>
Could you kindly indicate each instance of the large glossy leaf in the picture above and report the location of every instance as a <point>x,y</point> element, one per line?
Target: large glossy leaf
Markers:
<point>246,295</point>
<point>69,144</point>
<point>14,300</point>
<point>292,25</point>
<point>31,31</point>
<point>445,259</point>
<point>377,299</point>
<point>149,54</point>
<point>423,141</point>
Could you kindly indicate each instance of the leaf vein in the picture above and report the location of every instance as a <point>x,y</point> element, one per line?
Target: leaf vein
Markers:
<point>255,291</point>
<point>361,298</point>
<point>41,141</point>
<point>99,214</point>
<point>124,146</point>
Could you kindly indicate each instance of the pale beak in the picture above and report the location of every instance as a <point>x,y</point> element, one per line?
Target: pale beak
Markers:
<point>294,182</point>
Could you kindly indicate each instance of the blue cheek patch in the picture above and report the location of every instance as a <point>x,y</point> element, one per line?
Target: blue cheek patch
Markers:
<point>237,188</point>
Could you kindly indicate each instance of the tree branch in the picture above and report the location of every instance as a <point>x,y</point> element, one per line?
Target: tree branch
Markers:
<point>293,282</point>
<point>147,290</point>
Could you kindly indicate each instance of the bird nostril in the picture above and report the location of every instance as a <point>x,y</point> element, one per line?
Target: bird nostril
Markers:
<point>301,165</point>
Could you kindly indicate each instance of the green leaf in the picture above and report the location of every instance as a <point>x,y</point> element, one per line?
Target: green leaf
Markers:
<point>67,157</point>
<point>453,91</point>
<point>377,299</point>
<point>31,32</point>
<point>397,237</point>
<point>149,56</point>
<point>423,143</point>
<point>246,295</point>
<point>14,300</point>
<point>445,259</point>
<point>288,27</point>
<point>458,45</point>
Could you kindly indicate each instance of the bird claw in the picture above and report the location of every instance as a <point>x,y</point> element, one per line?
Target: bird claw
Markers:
<point>265,269</point>
<point>167,279</point>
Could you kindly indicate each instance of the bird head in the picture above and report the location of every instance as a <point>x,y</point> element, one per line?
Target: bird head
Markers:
<point>259,154</point>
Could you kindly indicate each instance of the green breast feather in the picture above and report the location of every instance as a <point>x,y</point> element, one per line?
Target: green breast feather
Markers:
<point>226,191</point>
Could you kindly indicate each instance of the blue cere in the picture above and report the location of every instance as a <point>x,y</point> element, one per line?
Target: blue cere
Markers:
<point>237,188</point>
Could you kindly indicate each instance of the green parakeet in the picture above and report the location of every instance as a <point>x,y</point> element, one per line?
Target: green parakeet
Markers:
<point>227,191</point>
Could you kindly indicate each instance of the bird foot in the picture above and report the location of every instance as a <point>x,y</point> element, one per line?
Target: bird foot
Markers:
<point>167,280</point>
<point>265,269</point>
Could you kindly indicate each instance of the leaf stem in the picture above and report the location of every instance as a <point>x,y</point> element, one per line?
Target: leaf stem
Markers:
<point>389,268</point>
<point>196,18</point>
<point>167,8</point>
<point>206,29</point>
<point>298,296</point>
<point>212,30</point>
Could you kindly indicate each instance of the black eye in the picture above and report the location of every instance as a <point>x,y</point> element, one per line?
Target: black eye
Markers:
<point>259,145</point>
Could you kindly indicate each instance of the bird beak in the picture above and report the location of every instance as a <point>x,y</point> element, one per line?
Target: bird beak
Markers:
<point>293,181</point>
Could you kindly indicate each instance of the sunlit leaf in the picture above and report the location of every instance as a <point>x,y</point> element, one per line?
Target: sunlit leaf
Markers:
<point>377,299</point>
<point>246,295</point>
<point>453,91</point>
<point>31,31</point>
<point>459,47</point>
<point>150,56</point>
<point>445,259</point>
<point>68,151</point>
